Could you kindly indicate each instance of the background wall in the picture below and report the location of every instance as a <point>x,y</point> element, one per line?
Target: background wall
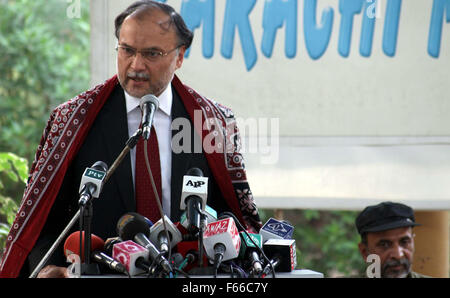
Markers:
<point>350,102</point>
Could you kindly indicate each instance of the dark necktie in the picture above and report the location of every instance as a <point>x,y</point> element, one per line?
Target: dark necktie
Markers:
<point>146,204</point>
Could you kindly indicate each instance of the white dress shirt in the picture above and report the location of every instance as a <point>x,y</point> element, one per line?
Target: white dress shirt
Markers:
<point>162,123</point>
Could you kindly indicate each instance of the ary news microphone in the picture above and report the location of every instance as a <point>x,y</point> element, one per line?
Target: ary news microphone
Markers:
<point>92,182</point>
<point>158,235</point>
<point>149,104</point>
<point>276,229</point>
<point>133,256</point>
<point>194,195</point>
<point>249,252</point>
<point>72,247</point>
<point>133,226</point>
<point>282,254</point>
<point>221,240</point>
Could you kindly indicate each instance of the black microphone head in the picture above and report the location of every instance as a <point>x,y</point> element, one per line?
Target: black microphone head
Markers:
<point>149,99</point>
<point>131,224</point>
<point>195,172</point>
<point>100,166</point>
<point>109,244</point>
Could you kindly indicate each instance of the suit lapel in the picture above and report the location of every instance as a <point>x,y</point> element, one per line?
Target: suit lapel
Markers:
<point>114,127</point>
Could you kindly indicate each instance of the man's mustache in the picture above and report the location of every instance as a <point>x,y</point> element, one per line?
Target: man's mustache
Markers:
<point>138,75</point>
<point>393,263</point>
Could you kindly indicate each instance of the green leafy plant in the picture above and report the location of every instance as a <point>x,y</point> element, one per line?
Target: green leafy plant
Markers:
<point>44,61</point>
<point>13,175</point>
<point>326,241</point>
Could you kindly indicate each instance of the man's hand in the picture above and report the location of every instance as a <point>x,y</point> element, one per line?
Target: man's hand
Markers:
<point>52,271</point>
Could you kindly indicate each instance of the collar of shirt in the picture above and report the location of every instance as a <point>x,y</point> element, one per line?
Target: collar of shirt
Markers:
<point>165,101</point>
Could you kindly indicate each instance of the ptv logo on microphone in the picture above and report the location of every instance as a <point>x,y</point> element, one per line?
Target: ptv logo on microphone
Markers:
<point>99,175</point>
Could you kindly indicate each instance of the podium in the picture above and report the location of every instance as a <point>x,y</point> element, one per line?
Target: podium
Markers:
<point>299,273</point>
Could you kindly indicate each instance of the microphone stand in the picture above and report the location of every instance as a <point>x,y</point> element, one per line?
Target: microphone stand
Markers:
<point>87,268</point>
<point>130,144</point>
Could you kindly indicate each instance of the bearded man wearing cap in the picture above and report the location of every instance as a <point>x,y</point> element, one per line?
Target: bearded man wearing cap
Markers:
<point>386,230</point>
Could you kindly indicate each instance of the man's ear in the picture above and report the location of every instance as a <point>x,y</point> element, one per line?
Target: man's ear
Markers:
<point>180,57</point>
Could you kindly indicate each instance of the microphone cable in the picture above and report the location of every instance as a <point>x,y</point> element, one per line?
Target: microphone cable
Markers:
<point>200,235</point>
<point>155,191</point>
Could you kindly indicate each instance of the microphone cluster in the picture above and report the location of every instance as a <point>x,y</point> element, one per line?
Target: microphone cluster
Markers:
<point>146,249</point>
<point>202,243</point>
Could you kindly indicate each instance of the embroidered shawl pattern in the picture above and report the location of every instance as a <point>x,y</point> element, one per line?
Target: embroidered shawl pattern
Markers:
<point>63,135</point>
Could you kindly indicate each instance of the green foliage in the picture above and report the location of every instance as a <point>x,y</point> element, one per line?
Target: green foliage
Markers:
<point>44,61</point>
<point>327,241</point>
<point>13,175</point>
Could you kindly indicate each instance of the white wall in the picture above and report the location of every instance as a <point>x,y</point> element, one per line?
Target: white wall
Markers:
<point>353,130</point>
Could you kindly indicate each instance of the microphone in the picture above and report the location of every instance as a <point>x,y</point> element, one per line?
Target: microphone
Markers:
<point>194,195</point>
<point>92,182</point>
<point>282,253</point>
<point>149,104</point>
<point>133,226</point>
<point>109,244</point>
<point>132,256</point>
<point>210,213</point>
<point>250,252</point>
<point>221,240</point>
<point>72,247</point>
<point>158,235</point>
<point>190,251</point>
<point>275,229</point>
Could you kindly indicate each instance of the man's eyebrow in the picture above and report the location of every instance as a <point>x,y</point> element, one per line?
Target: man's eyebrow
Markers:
<point>124,44</point>
<point>405,238</point>
<point>383,241</point>
<point>145,49</point>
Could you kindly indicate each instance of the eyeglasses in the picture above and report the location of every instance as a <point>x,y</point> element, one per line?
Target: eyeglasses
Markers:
<point>148,54</point>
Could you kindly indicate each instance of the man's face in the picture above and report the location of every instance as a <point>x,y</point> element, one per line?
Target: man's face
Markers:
<point>394,247</point>
<point>140,76</point>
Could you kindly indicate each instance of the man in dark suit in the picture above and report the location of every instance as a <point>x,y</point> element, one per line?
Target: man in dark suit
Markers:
<point>152,40</point>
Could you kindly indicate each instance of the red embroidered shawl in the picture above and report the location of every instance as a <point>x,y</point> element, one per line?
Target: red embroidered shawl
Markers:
<point>66,129</point>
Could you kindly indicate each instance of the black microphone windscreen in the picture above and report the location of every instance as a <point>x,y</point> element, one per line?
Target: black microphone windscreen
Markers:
<point>149,98</point>
<point>195,172</point>
<point>100,166</point>
<point>131,224</point>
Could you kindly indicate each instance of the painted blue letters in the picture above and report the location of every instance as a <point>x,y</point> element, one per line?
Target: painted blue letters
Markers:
<point>201,12</point>
<point>317,37</point>
<point>236,15</point>
<point>368,26</point>
<point>390,33</point>
<point>437,19</point>
<point>284,13</point>
<point>277,13</point>
<point>348,8</point>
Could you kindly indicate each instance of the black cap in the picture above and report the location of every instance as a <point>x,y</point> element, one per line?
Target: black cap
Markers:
<point>385,216</point>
